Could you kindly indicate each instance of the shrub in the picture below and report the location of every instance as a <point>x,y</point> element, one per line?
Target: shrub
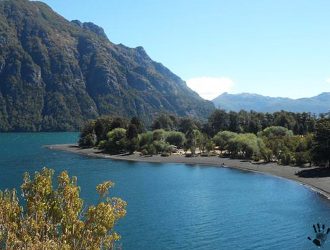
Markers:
<point>54,218</point>
<point>275,131</point>
<point>161,146</point>
<point>102,144</point>
<point>265,153</point>
<point>302,158</point>
<point>102,127</point>
<point>158,135</point>
<point>148,150</point>
<point>116,142</point>
<point>87,137</point>
<point>175,138</point>
<point>145,139</point>
<point>286,158</point>
<point>222,139</point>
<point>87,141</point>
<point>209,146</point>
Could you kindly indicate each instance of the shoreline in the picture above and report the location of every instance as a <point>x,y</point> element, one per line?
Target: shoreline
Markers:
<point>316,184</point>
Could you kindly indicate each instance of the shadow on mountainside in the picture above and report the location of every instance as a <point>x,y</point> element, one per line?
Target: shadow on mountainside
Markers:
<point>314,173</point>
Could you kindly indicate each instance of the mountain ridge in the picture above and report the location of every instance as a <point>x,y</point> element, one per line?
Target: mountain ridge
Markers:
<point>249,101</point>
<point>55,74</point>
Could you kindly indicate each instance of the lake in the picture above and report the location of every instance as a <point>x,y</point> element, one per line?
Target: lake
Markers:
<point>177,206</point>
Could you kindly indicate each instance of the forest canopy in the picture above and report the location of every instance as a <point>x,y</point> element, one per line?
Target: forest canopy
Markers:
<point>283,137</point>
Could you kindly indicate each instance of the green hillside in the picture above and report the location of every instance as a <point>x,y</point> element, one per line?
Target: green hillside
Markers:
<point>55,74</point>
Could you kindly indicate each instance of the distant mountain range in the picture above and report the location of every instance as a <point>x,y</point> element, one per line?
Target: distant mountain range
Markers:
<point>56,74</point>
<point>235,102</point>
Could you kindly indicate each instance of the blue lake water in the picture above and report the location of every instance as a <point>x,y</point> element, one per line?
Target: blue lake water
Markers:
<point>177,206</point>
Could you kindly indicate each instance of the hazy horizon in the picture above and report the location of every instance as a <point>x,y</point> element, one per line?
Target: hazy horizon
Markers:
<point>251,93</point>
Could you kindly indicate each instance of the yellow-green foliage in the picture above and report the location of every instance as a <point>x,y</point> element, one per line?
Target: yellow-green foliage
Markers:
<point>54,218</point>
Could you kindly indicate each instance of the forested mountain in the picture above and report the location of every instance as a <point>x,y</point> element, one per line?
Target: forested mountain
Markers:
<point>55,74</point>
<point>235,102</point>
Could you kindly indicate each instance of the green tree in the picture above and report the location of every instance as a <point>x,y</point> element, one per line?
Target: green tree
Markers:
<point>275,132</point>
<point>132,138</point>
<point>175,138</point>
<point>202,140</point>
<point>102,127</point>
<point>186,124</point>
<point>145,139</point>
<point>209,146</point>
<point>218,121</point>
<point>161,147</point>
<point>148,149</point>
<point>281,142</point>
<point>119,122</point>
<point>192,140</point>
<point>265,153</point>
<point>138,123</point>
<point>116,142</point>
<point>132,132</point>
<point>244,146</point>
<point>54,218</point>
<point>234,124</point>
<point>284,119</point>
<point>159,135</point>
<point>163,121</point>
<point>300,147</point>
<point>87,138</point>
<point>221,139</point>
<point>321,144</point>
<point>249,145</point>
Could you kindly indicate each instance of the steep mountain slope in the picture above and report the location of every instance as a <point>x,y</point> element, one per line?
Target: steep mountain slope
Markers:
<point>54,74</point>
<point>235,102</point>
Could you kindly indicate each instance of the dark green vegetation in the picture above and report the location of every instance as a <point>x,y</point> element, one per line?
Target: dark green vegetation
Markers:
<point>56,74</point>
<point>283,137</point>
<point>254,122</point>
<point>235,102</point>
<point>321,147</point>
<point>118,135</point>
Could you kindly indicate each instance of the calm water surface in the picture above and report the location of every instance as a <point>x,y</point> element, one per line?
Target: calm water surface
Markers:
<point>177,206</point>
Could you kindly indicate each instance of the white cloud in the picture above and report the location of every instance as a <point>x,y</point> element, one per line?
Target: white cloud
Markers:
<point>327,80</point>
<point>210,87</point>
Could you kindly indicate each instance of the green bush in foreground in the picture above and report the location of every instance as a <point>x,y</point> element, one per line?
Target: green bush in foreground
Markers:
<point>54,218</point>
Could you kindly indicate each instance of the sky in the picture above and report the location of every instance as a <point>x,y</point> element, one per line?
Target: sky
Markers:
<point>268,47</point>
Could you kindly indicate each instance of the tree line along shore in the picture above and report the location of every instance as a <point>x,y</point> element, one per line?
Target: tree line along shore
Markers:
<point>297,139</point>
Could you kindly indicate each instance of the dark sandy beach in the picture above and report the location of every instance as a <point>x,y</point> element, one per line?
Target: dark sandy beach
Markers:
<point>317,183</point>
